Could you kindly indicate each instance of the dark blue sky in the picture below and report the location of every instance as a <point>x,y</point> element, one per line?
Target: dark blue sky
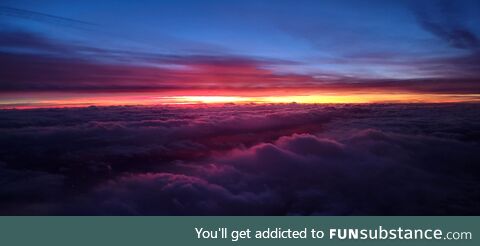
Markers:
<point>316,42</point>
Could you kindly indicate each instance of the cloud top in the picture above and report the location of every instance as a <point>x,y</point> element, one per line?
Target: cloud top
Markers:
<point>242,160</point>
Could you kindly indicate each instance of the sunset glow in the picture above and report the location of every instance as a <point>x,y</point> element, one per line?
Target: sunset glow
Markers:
<point>153,99</point>
<point>239,107</point>
<point>281,53</point>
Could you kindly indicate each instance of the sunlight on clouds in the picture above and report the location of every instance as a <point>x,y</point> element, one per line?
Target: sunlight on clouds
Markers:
<point>82,100</point>
<point>205,99</point>
<point>354,98</point>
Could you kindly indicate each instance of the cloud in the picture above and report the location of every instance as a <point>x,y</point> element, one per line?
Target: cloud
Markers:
<point>27,73</point>
<point>445,22</point>
<point>165,193</point>
<point>42,17</point>
<point>306,144</point>
<point>45,64</point>
<point>371,172</point>
<point>27,191</point>
<point>241,160</point>
<point>33,41</point>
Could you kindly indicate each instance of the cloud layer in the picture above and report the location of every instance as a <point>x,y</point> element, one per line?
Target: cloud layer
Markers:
<point>34,62</point>
<point>241,160</point>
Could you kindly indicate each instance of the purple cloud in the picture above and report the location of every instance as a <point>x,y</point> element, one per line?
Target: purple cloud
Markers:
<point>239,160</point>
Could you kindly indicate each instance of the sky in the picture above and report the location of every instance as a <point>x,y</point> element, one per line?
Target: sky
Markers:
<point>200,119</point>
<point>64,53</point>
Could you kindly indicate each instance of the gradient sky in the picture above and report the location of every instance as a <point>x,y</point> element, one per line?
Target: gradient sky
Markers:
<point>69,53</point>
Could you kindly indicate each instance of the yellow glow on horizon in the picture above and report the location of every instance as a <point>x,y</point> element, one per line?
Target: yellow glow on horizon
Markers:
<point>82,100</point>
<point>313,99</point>
<point>206,99</point>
